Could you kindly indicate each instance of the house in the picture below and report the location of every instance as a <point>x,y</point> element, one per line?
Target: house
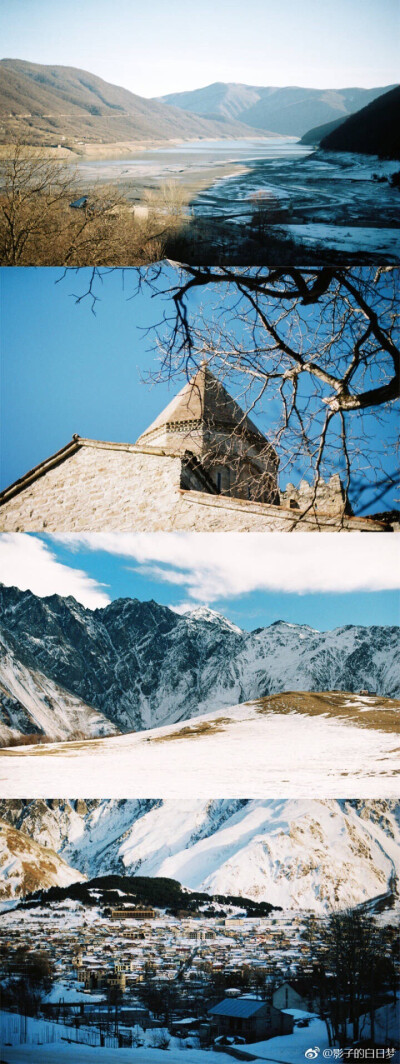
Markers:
<point>92,977</point>
<point>116,981</point>
<point>250,1018</point>
<point>292,995</point>
<point>202,465</point>
<point>133,913</point>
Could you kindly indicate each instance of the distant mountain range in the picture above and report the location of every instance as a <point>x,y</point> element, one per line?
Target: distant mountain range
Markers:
<point>59,105</point>
<point>138,665</point>
<point>53,105</point>
<point>310,854</point>
<point>290,111</point>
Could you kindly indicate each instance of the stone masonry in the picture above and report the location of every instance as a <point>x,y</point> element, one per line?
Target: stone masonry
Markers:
<point>202,465</point>
<point>97,486</point>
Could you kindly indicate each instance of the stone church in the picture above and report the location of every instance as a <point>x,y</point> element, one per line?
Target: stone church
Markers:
<point>202,465</point>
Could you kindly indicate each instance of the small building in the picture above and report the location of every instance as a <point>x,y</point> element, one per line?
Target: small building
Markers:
<point>292,995</point>
<point>250,1018</point>
<point>185,1027</point>
<point>117,981</point>
<point>136,913</point>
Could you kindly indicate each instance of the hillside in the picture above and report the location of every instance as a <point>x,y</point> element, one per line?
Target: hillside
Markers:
<point>290,110</point>
<point>315,135</point>
<point>297,854</point>
<point>156,891</point>
<point>26,865</point>
<point>141,665</point>
<point>51,105</point>
<point>375,130</point>
<point>247,750</point>
<point>33,707</point>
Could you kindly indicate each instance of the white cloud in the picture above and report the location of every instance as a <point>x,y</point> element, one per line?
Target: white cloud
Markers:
<point>30,564</point>
<point>181,607</point>
<point>219,565</point>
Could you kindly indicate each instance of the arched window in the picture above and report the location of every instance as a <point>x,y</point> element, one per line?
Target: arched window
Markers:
<point>222,476</point>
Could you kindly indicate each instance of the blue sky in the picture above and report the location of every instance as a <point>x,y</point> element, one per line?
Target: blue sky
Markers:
<point>66,370</point>
<point>172,45</point>
<point>253,579</point>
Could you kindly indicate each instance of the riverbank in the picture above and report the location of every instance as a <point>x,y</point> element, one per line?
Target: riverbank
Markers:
<point>247,202</point>
<point>224,243</point>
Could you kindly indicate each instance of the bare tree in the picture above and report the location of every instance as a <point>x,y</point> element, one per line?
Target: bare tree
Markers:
<point>32,976</point>
<point>33,191</point>
<point>41,226</point>
<point>352,974</point>
<point>311,354</point>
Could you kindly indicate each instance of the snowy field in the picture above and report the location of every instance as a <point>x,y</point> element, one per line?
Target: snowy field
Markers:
<point>47,1043</point>
<point>291,1049</point>
<point>349,239</point>
<point>62,1053</point>
<point>286,1049</point>
<point>244,752</point>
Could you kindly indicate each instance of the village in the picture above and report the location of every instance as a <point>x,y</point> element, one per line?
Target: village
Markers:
<point>135,976</point>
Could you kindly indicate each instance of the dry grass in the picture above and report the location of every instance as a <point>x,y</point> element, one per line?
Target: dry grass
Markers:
<point>193,731</point>
<point>28,739</point>
<point>366,711</point>
<point>39,227</point>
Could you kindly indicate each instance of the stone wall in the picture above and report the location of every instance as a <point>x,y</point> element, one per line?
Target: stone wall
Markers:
<point>97,488</point>
<point>329,496</point>
<point>115,487</point>
<point>198,512</point>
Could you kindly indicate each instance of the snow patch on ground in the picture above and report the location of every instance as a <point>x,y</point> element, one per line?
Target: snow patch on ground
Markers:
<point>349,239</point>
<point>241,752</point>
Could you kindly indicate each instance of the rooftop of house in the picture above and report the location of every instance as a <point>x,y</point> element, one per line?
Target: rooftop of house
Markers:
<point>243,1007</point>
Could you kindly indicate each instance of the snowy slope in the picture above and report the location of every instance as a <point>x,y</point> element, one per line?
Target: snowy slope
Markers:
<point>245,751</point>
<point>31,703</point>
<point>313,854</point>
<point>63,1053</point>
<point>26,866</point>
<point>142,665</point>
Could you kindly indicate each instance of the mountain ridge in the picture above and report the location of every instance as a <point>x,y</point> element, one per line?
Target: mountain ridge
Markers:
<point>373,130</point>
<point>142,665</point>
<point>47,104</point>
<point>284,110</point>
<point>297,853</point>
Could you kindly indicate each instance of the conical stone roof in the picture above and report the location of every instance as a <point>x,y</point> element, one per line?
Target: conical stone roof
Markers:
<point>203,401</point>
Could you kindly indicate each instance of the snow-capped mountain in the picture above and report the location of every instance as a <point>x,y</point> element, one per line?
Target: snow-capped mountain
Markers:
<point>306,853</point>
<point>142,665</point>
<point>33,705</point>
<point>26,865</point>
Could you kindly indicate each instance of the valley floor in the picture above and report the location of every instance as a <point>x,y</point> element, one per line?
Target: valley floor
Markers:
<point>268,200</point>
<point>246,751</point>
